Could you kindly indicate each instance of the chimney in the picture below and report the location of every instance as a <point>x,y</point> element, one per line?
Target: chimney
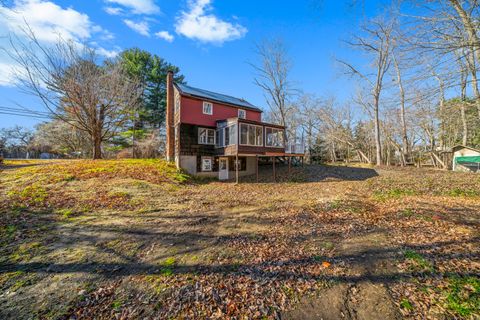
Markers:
<point>169,122</point>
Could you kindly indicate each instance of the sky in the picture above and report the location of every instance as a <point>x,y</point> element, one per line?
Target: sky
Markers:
<point>211,41</point>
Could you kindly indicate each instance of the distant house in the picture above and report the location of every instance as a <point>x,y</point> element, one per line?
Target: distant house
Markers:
<point>212,134</point>
<point>466,159</point>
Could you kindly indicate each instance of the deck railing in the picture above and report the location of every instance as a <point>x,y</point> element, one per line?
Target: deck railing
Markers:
<point>296,148</point>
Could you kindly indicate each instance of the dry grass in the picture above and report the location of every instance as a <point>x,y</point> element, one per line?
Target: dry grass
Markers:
<point>137,238</point>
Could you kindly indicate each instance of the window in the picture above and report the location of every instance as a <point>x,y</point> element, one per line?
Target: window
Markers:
<point>259,136</point>
<point>220,137</point>
<point>242,114</point>
<point>207,164</point>
<point>274,137</point>
<point>207,108</point>
<point>243,134</point>
<point>251,135</point>
<point>206,136</point>
<point>223,164</point>
<point>231,135</point>
<point>226,136</point>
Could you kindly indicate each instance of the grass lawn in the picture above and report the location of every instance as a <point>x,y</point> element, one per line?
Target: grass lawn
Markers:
<point>138,239</point>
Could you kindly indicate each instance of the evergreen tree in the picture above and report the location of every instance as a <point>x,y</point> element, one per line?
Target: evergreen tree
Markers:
<point>152,72</point>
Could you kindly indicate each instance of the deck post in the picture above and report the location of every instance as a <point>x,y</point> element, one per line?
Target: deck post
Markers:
<point>302,161</point>
<point>274,173</point>
<point>256,167</point>
<point>289,164</point>
<point>236,168</point>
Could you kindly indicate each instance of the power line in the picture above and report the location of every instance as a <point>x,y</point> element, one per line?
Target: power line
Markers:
<point>24,110</point>
<point>25,115</point>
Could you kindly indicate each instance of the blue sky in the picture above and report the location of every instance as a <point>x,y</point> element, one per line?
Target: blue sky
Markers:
<point>211,41</point>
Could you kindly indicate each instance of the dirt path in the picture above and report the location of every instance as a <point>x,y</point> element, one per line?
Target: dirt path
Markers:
<point>362,299</point>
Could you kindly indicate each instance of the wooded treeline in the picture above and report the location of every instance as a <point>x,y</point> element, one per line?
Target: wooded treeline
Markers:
<point>417,91</point>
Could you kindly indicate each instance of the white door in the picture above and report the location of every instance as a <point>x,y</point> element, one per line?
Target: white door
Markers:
<point>223,169</point>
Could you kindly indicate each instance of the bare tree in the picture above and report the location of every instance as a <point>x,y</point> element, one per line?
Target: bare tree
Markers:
<point>18,138</point>
<point>272,75</point>
<point>463,71</point>
<point>336,128</point>
<point>60,137</point>
<point>307,107</point>
<point>405,145</point>
<point>377,45</point>
<point>73,87</point>
<point>470,25</point>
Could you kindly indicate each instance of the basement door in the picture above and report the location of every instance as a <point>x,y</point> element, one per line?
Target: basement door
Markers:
<point>223,168</point>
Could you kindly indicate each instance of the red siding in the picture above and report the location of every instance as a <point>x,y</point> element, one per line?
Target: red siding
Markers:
<point>192,112</point>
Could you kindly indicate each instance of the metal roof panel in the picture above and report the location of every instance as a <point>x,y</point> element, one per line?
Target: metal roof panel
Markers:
<point>201,93</point>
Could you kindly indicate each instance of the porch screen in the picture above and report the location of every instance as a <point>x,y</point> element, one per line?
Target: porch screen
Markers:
<point>251,135</point>
<point>274,137</point>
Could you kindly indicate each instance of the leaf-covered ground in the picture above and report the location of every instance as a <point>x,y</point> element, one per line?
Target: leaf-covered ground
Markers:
<point>137,239</point>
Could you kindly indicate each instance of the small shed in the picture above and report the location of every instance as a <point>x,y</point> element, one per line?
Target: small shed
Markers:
<point>466,159</point>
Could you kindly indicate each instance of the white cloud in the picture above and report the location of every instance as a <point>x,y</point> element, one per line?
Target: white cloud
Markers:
<point>138,6</point>
<point>114,11</point>
<point>47,20</point>
<point>7,74</point>
<point>165,35</point>
<point>107,53</point>
<point>198,24</point>
<point>141,27</point>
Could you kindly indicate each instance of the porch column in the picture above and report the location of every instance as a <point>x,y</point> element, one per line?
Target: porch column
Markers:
<point>256,167</point>
<point>274,173</point>
<point>236,168</point>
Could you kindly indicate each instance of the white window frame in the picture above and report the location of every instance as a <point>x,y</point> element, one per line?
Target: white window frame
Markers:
<point>203,162</point>
<point>207,130</point>
<point>240,135</point>
<point>266,138</point>
<point>207,104</point>
<point>244,114</point>
<point>218,143</point>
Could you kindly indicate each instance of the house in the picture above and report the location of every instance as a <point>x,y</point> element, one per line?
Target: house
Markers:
<point>216,135</point>
<point>466,159</point>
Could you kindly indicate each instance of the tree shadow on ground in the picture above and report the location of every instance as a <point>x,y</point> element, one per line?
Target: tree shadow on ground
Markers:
<point>194,232</point>
<point>198,231</point>
<point>310,173</point>
<point>260,271</point>
<point>19,166</point>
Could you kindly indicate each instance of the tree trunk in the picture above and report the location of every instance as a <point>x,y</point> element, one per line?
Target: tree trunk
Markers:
<point>473,44</point>
<point>463,84</point>
<point>334,153</point>
<point>465,127</point>
<point>362,155</point>
<point>405,151</point>
<point>473,72</point>
<point>97,148</point>
<point>462,111</point>
<point>378,145</point>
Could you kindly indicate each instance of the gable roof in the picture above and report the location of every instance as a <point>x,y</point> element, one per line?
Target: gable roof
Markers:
<point>459,147</point>
<point>218,97</point>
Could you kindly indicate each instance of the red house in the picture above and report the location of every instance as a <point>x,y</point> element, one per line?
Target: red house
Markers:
<point>213,134</point>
